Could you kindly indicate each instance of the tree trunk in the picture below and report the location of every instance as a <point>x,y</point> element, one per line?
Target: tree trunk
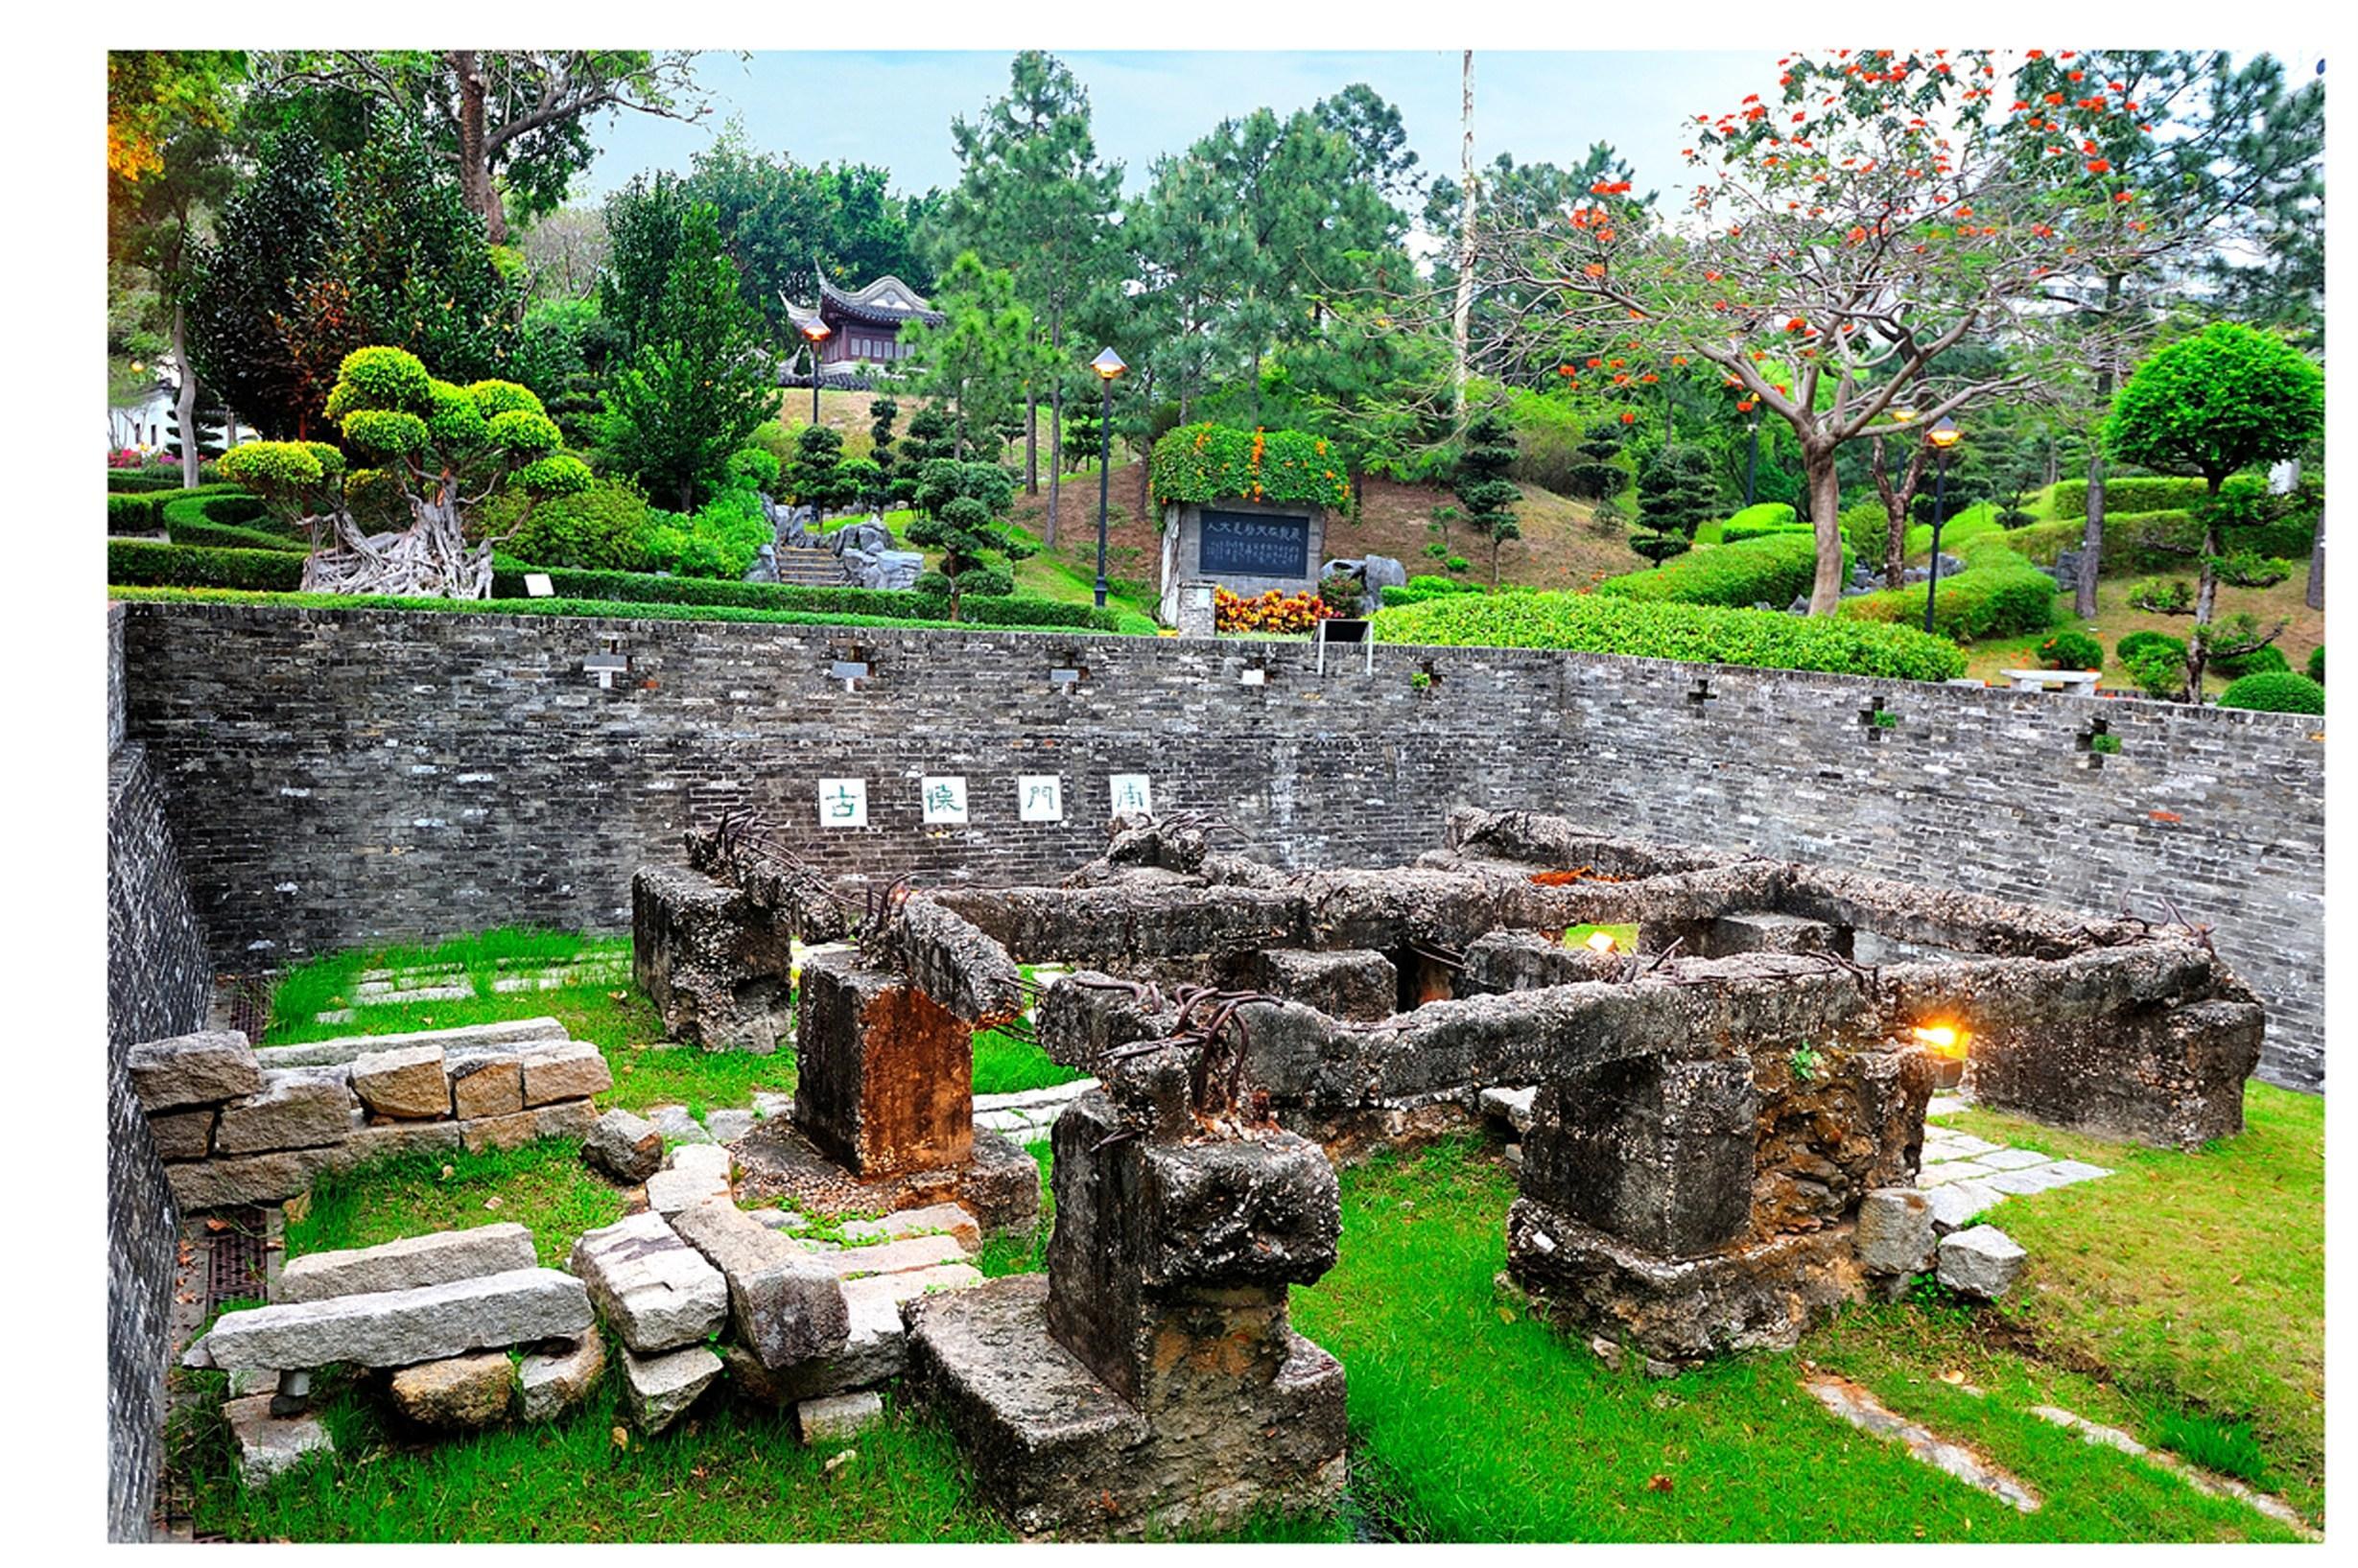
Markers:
<point>191,437</point>
<point>1031,442</point>
<point>2091,537</point>
<point>2316,596</point>
<point>475,183</point>
<point>1055,459</point>
<point>1461,318</point>
<point>2206,593</point>
<point>1826,520</point>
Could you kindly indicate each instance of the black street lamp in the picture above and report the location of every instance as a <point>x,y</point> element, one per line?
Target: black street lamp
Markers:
<point>1751,464</point>
<point>818,331</point>
<point>1943,436</point>
<point>1107,365</point>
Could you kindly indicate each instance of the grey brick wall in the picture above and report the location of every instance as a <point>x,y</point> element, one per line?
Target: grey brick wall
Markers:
<point>344,776</point>
<point>158,981</point>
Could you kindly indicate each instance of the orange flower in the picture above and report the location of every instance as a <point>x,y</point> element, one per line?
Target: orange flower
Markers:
<point>1628,418</point>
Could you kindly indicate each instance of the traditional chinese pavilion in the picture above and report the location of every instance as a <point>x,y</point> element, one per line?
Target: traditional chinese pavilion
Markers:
<point>863,325</point>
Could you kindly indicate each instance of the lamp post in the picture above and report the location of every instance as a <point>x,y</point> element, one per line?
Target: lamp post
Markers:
<point>1107,365</point>
<point>1943,436</point>
<point>818,332</point>
<point>1751,464</point>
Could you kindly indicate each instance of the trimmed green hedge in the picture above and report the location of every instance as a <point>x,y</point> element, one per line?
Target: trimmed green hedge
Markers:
<point>1699,634</point>
<point>1776,568</point>
<point>1997,594</point>
<point>881,604</point>
<point>1205,463</point>
<point>2275,692</point>
<point>222,521</point>
<point>610,610</point>
<point>139,564</point>
<point>142,511</point>
<point>1417,589</point>
<point>1753,521</point>
<point>2153,493</point>
<point>2137,544</point>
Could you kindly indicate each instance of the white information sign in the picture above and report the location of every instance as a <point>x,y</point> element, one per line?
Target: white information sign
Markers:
<point>843,803</point>
<point>536,585</point>
<point>944,797</point>
<point>1132,793</point>
<point>1040,797</point>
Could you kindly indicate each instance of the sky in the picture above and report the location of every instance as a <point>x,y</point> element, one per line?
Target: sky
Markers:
<point>894,108</point>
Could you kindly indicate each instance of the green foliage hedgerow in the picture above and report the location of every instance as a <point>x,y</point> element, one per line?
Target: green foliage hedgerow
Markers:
<point>1205,463</point>
<point>606,528</point>
<point>2158,493</point>
<point>2275,692</point>
<point>2136,643</point>
<point>2317,663</point>
<point>1997,594</point>
<point>1775,568</point>
<point>138,563</point>
<point>1768,517</point>
<point>896,604</point>
<point>1699,634</point>
<point>2260,661</point>
<point>143,511</point>
<point>1418,589</point>
<point>2072,651</point>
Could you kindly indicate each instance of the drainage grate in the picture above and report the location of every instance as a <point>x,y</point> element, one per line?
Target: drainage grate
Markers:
<point>236,1261</point>
<point>249,1005</point>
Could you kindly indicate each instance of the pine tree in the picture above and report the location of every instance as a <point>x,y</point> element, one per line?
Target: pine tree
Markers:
<point>1676,492</point>
<point>882,412</point>
<point>1482,487</point>
<point>1599,474</point>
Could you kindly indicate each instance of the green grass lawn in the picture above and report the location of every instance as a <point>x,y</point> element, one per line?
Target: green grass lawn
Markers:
<point>543,1187</point>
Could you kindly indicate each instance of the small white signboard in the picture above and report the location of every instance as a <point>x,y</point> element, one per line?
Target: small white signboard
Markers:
<point>1040,797</point>
<point>843,803</point>
<point>536,585</point>
<point>1132,793</point>
<point>944,797</point>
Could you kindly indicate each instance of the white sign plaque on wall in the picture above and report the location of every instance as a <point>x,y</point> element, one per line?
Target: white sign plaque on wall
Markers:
<point>1040,797</point>
<point>843,803</point>
<point>944,797</point>
<point>1132,793</point>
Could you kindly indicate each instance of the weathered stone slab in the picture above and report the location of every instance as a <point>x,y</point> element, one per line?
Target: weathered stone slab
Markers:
<point>1860,1408</point>
<point>1512,1106</point>
<point>202,1069</point>
<point>1350,983</point>
<point>295,1109</point>
<point>875,1350</point>
<point>677,1126</point>
<point>952,1220</point>
<point>396,1329</point>
<point>1894,1232</point>
<point>1984,1261</point>
<point>567,1118</point>
<point>407,1264</point>
<point>375,1139</point>
<point>248,1178</point>
<point>1953,1204</point>
<point>728,1125</point>
<point>456,1393</point>
<point>271,1445</point>
<point>549,1383</point>
<point>655,1290</point>
<point>627,1147</point>
<point>407,1082</point>
<point>486,1086</point>
<point>785,1303</point>
<point>184,1134</point>
<point>707,1160</point>
<point>573,1071</point>
<point>839,1418</point>
<point>507,1035</point>
<point>894,1256</point>
<point>657,1390</point>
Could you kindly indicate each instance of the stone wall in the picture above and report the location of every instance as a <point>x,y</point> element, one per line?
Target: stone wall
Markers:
<point>345,777</point>
<point>158,980</point>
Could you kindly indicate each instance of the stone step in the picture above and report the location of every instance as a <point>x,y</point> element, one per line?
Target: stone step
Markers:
<point>396,1329</point>
<point>410,1263</point>
<point>507,1035</point>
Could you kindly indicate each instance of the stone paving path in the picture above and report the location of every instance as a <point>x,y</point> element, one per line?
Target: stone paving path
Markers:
<point>1963,1176</point>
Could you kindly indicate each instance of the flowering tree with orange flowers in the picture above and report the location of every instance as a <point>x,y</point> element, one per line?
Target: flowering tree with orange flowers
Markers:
<point>1842,240</point>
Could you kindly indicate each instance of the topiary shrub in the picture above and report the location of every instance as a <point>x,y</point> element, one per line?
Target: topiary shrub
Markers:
<point>2072,651</point>
<point>606,528</point>
<point>1997,594</point>
<point>2260,661</point>
<point>1753,521</point>
<point>2246,569</point>
<point>1208,464</point>
<point>2158,670</point>
<point>1775,569</point>
<point>2126,495</point>
<point>2275,692</point>
<point>2317,663</point>
<point>2163,597</point>
<point>2135,643</point>
<point>1705,634</point>
<point>138,563</point>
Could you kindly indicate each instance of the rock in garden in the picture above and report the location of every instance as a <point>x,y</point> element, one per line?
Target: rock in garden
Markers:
<point>550,1382</point>
<point>659,1388</point>
<point>839,1418</point>
<point>895,1256</point>
<point>1894,1232</point>
<point>698,1171</point>
<point>458,1392</point>
<point>271,1445</point>
<point>296,1108</point>
<point>486,1086</point>
<point>655,1290</point>
<point>378,1138</point>
<point>407,1083</point>
<point>407,1264</point>
<point>952,1220</point>
<point>627,1148</point>
<point>184,1134</point>
<point>396,1329</point>
<point>507,1035</point>
<point>1984,1261</point>
<point>785,1305</point>
<point>247,1178</point>
<point>567,1118</point>
<point>677,1126</point>
<point>194,1070</point>
<point>728,1125</point>
<point>573,1071</point>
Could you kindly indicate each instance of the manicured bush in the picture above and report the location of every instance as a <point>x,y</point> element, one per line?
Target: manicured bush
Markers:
<point>603,529</point>
<point>1418,589</point>
<point>602,608</point>
<point>1206,463</point>
<point>1768,517</point>
<point>2317,663</point>
<point>186,531</point>
<point>1962,528</point>
<point>143,511</point>
<point>2248,568</point>
<point>1773,569</point>
<point>1866,530</point>
<point>2163,597</point>
<point>2157,672</point>
<point>1705,634</point>
<point>2158,493</point>
<point>140,564</point>
<point>2072,651</point>
<point>2260,661</point>
<point>641,587</point>
<point>2135,643</point>
<point>2275,692</point>
<point>1997,594</point>
<point>130,513</point>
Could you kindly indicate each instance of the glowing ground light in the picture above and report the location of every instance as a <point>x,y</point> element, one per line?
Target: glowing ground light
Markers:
<point>1942,1038</point>
<point>1600,942</point>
